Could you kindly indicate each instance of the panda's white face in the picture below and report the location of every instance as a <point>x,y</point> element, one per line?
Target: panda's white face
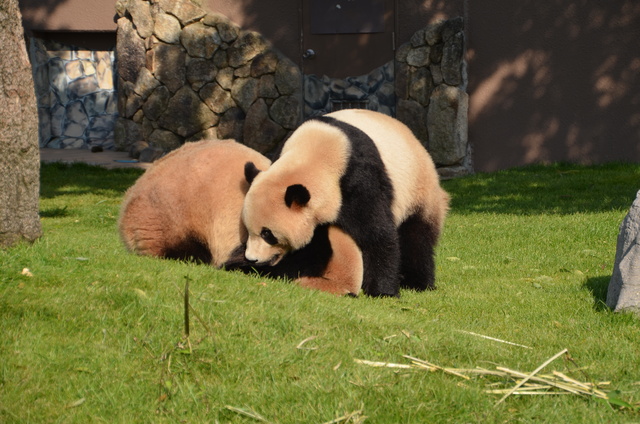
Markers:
<point>265,248</point>
<point>278,219</point>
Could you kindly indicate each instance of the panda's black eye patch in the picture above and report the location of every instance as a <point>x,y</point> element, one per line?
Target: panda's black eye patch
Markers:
<point>268,236</point>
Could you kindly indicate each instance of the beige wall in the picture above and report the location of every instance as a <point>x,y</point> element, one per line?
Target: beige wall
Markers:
<point>68,15</point>
<point>553,81</point>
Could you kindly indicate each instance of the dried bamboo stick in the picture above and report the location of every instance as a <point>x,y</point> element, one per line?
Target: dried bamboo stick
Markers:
<point>517,386</point>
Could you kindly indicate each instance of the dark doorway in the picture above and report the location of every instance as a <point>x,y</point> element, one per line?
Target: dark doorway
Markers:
<point>343,38</point>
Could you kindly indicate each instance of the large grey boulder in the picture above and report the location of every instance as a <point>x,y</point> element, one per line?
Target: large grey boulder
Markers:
<point>624,288</point>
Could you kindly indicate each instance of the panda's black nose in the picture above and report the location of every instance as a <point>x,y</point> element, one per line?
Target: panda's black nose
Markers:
<point>251,261</point>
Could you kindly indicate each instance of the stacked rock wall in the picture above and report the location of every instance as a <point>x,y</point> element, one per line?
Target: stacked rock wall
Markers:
<point>185,75</point>
<point>373,91</point>
<point>77,101</point>
<point>431,94</point>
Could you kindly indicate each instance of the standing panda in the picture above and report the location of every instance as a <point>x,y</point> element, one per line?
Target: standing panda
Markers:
<point>188,206</point>
<point>363,172</point>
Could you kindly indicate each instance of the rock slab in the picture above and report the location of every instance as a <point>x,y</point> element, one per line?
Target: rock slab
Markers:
<point>624,288</point>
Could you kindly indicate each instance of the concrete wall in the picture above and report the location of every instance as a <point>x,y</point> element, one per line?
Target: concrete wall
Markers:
<point>553,81</point>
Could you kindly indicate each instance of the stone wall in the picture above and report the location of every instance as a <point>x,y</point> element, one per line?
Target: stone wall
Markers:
<point>186,74</point>
<point>431,83</point>
<point>77,101</point>
<point>373,91</point>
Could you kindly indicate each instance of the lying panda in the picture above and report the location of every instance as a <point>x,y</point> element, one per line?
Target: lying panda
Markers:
<point>188,205</point>
<point>363,172</point>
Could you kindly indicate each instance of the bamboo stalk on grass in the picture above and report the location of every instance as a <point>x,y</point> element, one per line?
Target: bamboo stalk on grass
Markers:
<point>532,383</point>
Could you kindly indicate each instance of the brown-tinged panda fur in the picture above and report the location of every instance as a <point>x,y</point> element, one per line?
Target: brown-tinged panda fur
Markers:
<point>188,206</point>
<point>365,173</point>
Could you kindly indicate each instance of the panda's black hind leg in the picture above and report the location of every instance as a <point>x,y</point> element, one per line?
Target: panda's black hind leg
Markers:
<point>417,249</point>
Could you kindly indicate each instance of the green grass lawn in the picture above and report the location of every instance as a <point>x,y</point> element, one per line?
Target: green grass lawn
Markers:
<point>96,334</point>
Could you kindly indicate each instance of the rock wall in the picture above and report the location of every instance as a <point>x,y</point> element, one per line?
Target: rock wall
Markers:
<point>373,91</point>
<point>186,74</point>
<point>431,83</point>
<point>77,100</point>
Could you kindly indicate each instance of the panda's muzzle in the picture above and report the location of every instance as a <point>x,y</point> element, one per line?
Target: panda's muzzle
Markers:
<point>269,262</point>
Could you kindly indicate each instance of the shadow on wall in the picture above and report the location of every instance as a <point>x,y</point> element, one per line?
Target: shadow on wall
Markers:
<point>554,81</point>
<point>36,12</point>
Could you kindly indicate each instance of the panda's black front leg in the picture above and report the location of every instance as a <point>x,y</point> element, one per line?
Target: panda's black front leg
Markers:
<point>376,236</point>
<point>381,262</point>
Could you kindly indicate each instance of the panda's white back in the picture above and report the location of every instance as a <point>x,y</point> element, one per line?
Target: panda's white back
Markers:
<point>408,164</point>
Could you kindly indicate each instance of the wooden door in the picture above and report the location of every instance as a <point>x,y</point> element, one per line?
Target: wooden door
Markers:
<point>343,38</point>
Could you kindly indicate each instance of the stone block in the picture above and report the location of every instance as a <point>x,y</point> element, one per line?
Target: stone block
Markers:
<point>167,28</point>
<point>131,51</point>
<point>244,91</point>
<point>419,56</point>
<point>58,113</point>
<point>452,56</point>
<point>264,63</point>
<point>316,92</point>
<point>231,124</point>
<point>167,63</point>
<point>73,69</point>
<point>260,132</point>
<point>447,124</point>
<point>126,133</point>
<point>421,85</point>
<point>224,77</point>
<point>140,11</point>
<point>146,84</point>
<point>414,115</point>
<point>246,47</point>
<point>433,33</point>
<point>44,126</point>
<point>286,111</point>
<point>267,87</point>
<point>217,98</point>
<point>82,87</point>
<point>166,140</point>
<point>200,40</point>
<point>58,80</point>
<point>623,294</point>
<point>200,72</point>
<point>417,39</point>
<point>76,120</point>
<point>288,77</point>
<point>185,11</point>
<point>104,74</point>
<point>96,103</point>
<point>186,114</point>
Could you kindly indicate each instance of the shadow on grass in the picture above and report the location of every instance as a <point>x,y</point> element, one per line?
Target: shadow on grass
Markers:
<point>548,189</point>
<point>598,287</point>
<point>79,178</point>
<point>54,212</point>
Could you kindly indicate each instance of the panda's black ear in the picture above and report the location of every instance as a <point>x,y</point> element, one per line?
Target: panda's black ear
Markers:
<point>250,171</point>
<point>297,194</point>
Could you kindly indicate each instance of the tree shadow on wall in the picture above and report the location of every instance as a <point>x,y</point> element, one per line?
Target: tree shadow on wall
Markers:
<point>36,12</point>
<point>558,79</point>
